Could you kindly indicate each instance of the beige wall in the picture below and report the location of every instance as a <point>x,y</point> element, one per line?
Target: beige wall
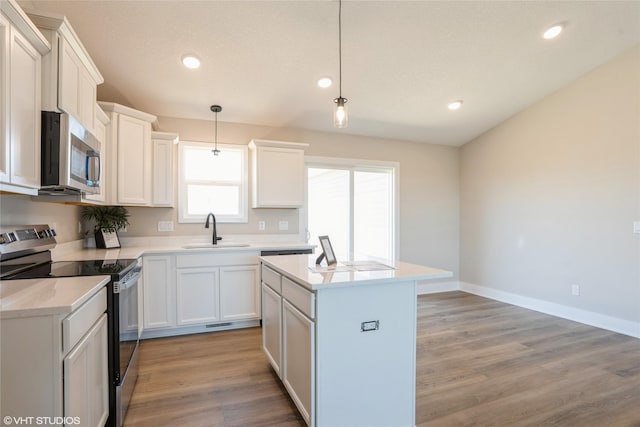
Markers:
<point>21,210</point>
<point>548,198</point>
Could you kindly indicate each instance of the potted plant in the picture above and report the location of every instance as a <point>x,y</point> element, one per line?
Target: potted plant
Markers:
<point>107,221</point>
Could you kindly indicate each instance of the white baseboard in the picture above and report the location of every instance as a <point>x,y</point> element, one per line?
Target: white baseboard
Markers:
<point>614,324</point>
<point>427,287</point>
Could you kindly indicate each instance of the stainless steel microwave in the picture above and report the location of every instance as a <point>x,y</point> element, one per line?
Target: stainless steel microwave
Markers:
<point>70,156</point>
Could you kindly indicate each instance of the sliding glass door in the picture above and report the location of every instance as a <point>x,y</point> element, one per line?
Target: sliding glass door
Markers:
<point>355,205</point>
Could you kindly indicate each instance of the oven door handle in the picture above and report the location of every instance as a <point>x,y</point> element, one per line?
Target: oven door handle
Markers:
<point>130,280</point>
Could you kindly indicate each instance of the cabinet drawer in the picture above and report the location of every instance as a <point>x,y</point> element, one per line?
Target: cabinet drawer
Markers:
<point>209,259</point>
<point>301,298</point>
<point>80,321</point>
<point>272,279</point>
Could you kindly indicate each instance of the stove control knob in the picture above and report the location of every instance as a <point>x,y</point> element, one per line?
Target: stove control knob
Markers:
<point>7,238</point>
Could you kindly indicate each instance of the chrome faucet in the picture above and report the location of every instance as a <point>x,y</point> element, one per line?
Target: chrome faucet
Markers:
<point>215,238</point>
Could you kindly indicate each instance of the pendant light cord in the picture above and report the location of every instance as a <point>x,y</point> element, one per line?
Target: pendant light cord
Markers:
<point>340,46</point>
<point>216,132</point>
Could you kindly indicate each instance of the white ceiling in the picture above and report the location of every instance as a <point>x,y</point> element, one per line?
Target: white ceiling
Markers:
<point>403,61</point>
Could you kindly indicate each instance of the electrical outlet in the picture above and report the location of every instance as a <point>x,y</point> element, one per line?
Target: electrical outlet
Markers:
<point>372,325</point>
<point>261,225</point>
<point>165,225</point>
<point>575,290</point>
<point>283,225</point>
<point>636,227</point>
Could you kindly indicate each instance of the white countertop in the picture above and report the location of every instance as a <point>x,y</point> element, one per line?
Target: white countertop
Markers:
<point>48,296</point>
<point>42,297</point>
<point>137,251</point>
<point>301,268</point>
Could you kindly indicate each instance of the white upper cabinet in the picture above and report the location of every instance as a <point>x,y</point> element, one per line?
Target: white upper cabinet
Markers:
<point>21,50</point>
<point>277,174</point>
<point>70,77</point>
<point>128,172</point>
<point>162,168</point>
<point>76,89</point>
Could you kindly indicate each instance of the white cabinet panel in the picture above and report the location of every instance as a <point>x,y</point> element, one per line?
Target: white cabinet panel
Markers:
<point>298,347</point>
<point>21,50</point>
<point>134,154</point>
<point>197,299</point>
<point>159,292</point>
<point>272,326</point>
<point>99,375</point>
<point>278,174</point>
<point>85,378</point>
<point>5,139</point>
<point>162,169</point>
<point>87,93</point>
<point>76,87</point>
<point>68,80</point>
<point>128,156</point>
<point>239,293</point>
<point>24,107</point>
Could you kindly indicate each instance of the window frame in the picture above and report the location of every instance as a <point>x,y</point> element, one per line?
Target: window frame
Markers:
<point>353,165</point>
<point>243,184</point>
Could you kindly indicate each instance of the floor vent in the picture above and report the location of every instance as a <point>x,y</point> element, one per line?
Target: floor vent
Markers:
<point>218,325</point>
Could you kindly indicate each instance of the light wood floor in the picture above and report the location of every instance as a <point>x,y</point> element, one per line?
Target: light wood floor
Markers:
<point>479,363</point>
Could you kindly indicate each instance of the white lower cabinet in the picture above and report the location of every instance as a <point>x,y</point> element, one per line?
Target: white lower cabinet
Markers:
<point>272,326</point>
<point>159,292</point>
<point>86,396</point>
<point>200,292</point>
<point>197,291</point>
<point>239,292</point>
<point>345,354</point>
<point>298,347</point>
<point>56,365</point>
<point>288,338</point>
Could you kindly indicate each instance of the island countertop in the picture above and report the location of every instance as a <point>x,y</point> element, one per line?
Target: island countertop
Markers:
<point>303,270</point>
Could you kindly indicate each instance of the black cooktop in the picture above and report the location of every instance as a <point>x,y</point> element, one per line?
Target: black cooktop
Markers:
<point>116,268</point>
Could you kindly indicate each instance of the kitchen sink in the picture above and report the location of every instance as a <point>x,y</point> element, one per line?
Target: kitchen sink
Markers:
<point>212,246</point>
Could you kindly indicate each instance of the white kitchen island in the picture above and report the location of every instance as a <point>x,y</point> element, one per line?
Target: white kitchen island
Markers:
<point>343,341</point>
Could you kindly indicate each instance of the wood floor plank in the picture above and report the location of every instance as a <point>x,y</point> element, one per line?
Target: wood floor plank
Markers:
<point>479,363</point>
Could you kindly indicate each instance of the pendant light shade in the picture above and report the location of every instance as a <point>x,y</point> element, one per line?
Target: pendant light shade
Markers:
<point>340,113</point>
<point>216,109</point>
<point>340,116</point>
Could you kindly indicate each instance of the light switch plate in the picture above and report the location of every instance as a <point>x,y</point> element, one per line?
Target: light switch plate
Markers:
<point>261,225</point>
<point>636,227</point>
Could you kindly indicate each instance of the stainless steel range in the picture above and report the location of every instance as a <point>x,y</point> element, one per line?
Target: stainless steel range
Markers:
<point>25,254</point>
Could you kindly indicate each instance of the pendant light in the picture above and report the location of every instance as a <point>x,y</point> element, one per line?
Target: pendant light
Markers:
<point>216,109</point>
<point>340,117</point>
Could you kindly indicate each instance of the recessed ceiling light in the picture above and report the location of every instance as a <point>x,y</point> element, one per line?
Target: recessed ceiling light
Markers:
<point>325,82</point>
<point>191,61</point>
<point>552,32</point>
<point>455,105</point>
